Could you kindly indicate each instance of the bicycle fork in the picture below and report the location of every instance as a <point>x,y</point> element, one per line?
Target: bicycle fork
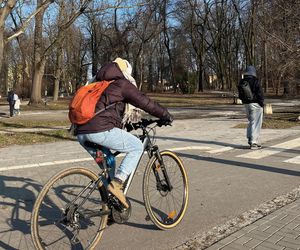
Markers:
<point>160,165</point>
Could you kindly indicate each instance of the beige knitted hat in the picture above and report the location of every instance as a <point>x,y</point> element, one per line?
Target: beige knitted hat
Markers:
<point>124,65</point>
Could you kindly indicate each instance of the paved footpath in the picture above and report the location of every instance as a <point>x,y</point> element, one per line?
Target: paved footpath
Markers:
<point>279,230</point>
<point>24,169</point>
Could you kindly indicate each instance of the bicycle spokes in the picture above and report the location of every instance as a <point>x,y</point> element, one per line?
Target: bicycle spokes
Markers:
<point>70,212</point>
<point>165,190</point>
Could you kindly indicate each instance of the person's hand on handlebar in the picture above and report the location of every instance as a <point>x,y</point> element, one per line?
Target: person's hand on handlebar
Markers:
<point>166,120</point>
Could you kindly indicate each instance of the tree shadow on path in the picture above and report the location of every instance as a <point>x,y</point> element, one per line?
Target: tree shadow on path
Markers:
<point>17,198</point>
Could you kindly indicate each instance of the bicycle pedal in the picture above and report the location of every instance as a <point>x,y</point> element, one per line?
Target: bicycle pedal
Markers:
<point>122,215</point>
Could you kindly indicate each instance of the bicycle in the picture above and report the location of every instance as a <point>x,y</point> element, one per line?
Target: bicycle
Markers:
<point>74,205</point>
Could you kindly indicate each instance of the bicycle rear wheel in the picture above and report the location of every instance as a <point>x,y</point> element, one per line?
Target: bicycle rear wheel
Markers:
<point>165,208</point>
<point>65,217</point>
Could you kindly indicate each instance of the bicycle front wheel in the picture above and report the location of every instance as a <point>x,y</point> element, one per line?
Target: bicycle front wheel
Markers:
<point>165,205</point>
<point>67,212</point>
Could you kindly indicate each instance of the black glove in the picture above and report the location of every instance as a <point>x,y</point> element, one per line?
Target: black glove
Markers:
<point>128,127</point>
<point>166,120</point>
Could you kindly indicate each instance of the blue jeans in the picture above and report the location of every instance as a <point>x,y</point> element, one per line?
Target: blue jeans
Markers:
<point>255,117</point>
<point>117,140</point>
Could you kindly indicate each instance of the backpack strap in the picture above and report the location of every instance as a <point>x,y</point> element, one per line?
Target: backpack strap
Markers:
<point>107,107</point>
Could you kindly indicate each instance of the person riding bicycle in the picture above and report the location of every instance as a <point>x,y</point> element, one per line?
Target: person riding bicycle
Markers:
<point>105,128</point>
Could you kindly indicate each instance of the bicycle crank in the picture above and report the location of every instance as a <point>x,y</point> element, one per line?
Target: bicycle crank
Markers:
<point>120,216</point>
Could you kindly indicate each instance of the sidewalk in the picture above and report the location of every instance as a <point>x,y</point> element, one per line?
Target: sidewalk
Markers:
<point>279,230</point>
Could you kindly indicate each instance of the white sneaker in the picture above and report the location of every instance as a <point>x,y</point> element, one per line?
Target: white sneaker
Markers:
<point>255,146</point>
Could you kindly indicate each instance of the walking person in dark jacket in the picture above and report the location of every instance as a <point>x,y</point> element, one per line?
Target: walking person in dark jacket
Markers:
<point>254,106</point>
<point>106,127</point>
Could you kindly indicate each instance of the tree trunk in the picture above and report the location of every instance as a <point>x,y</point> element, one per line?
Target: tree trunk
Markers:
<point>56,88</point>
<point>39,60</point>
<point>36,96</point>
<point>200,78</point>
<point>58,73</point>
<point>1,45</point>
<point>167,44</point>
<point>201,58</point>
<point>3,81</point>
<point>5,10</point>
<point>265,67</point>
<point>150,82</point>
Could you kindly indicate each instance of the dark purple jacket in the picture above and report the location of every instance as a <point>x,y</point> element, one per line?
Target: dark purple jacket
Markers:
<point>120,91</point>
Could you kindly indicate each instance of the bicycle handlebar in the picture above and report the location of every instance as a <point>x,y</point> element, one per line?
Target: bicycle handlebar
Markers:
<point>145,123</point>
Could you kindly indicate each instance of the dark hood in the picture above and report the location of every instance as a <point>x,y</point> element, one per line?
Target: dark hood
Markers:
<point>109,72</point>
<point>250,71</point>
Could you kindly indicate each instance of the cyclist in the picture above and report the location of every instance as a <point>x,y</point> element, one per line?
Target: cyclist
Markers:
<point>106,128</point>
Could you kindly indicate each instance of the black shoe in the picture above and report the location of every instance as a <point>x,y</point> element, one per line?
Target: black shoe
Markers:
<point>255,146</point>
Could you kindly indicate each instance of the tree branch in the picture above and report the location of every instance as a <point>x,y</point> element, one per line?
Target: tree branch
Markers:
<point>4,12</point>
<point>115,7</point>
<point>66,25</point>
<point>26,23</point>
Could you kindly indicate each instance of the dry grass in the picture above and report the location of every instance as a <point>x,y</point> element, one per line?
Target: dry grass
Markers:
<point>47,133</point>
<point>177,100</point>
<point>21,138</point>
<point>273,124</point>
<point>23,123</point>
<point>279,120</point>
<point>61,104</point>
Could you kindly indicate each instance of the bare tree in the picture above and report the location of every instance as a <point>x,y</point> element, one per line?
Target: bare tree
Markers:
<point>41,53</point>
<point>247,26</point>
<point>6,9</point>
<point>280,30</point>
<point>147,28</point>
<point>198,30</point>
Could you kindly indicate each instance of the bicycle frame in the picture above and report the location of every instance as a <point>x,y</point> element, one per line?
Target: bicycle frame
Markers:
<point>151,150</point>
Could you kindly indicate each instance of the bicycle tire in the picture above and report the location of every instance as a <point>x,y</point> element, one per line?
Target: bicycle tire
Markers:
<point>173,214</point>
<point>46,198</point>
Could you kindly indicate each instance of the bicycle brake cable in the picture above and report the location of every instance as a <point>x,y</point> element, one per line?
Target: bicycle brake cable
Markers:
<point>153,135</point>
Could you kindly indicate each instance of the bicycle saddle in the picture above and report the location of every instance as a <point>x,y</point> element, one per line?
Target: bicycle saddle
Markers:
<point>92,145</point>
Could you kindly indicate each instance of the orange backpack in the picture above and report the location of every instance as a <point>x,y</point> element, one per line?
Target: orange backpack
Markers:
<point>83,104</point>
